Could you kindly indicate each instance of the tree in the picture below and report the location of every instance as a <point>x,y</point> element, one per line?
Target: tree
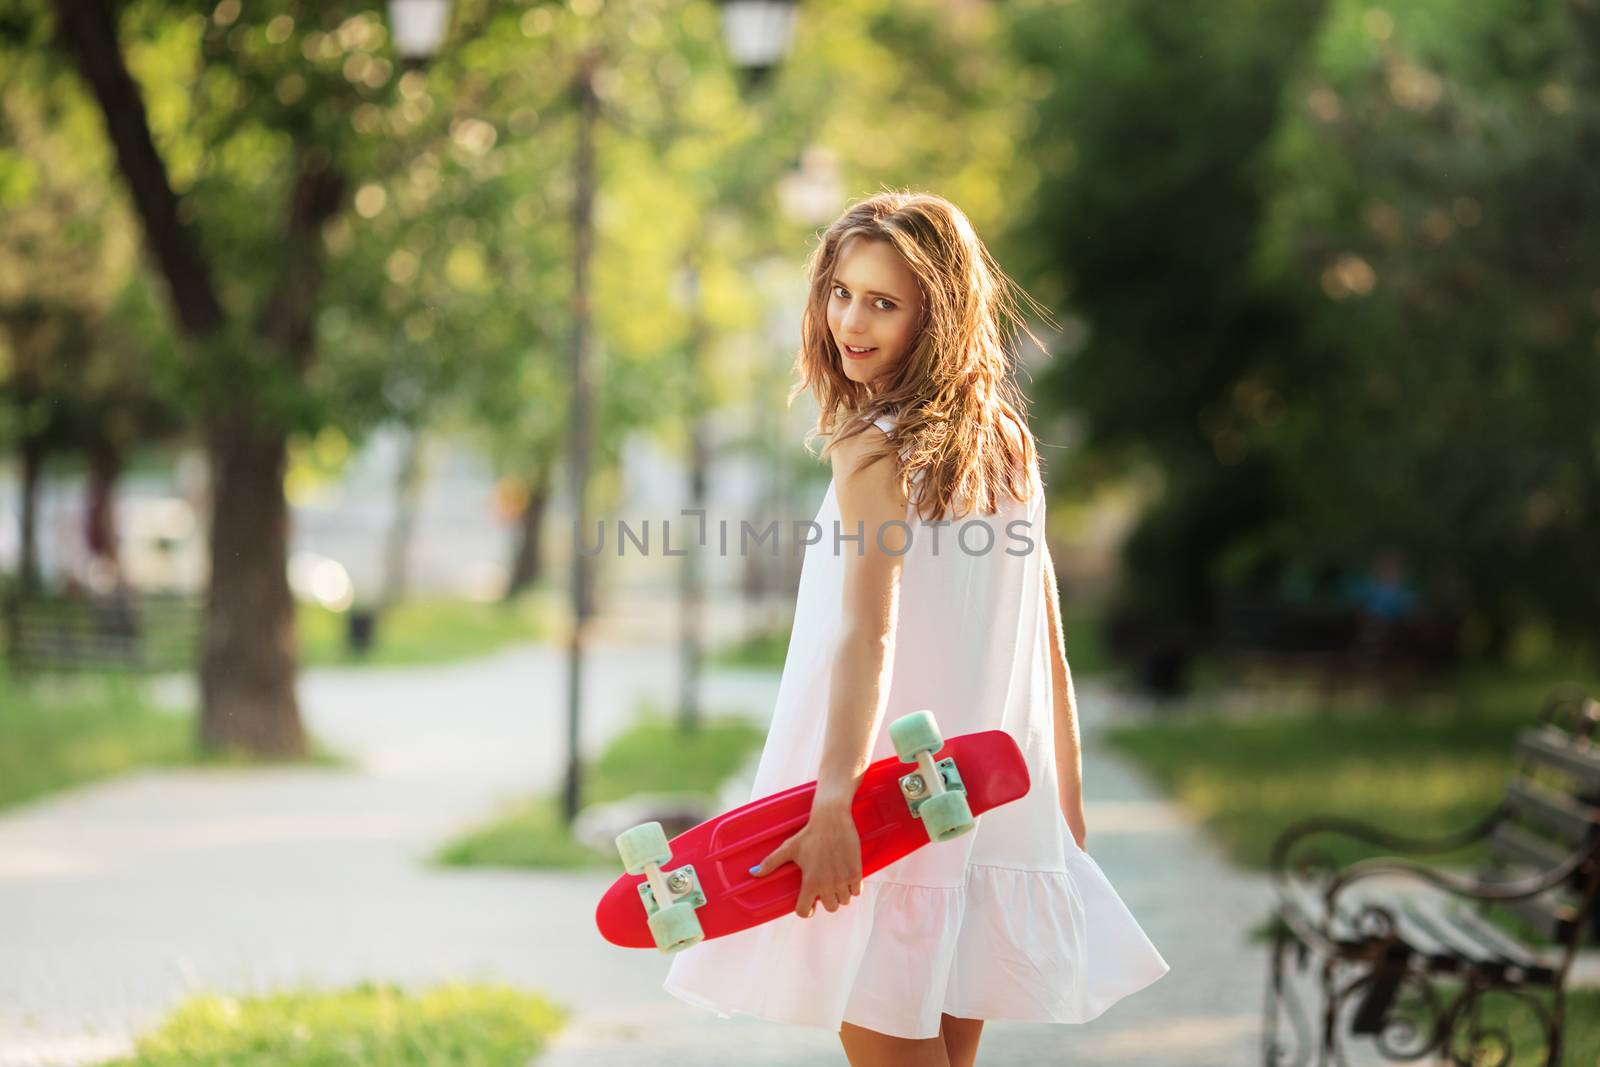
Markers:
<point>72,305</point>
<point>275,112</point>
<point>1154,127</point>
<point>1436,214</point>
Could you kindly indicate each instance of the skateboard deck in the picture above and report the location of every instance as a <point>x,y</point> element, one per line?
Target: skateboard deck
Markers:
<point>722,850</point>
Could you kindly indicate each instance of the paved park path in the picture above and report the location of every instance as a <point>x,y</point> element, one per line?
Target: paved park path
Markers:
<point>119,899</point>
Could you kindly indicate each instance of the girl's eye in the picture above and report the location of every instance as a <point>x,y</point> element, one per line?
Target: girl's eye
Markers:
<point>840,291</point>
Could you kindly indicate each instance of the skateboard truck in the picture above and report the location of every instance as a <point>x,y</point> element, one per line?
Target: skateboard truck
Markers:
<point>934,791</point>
<point>669,898</point>
<point>943,777</point>
<point>671,886</point>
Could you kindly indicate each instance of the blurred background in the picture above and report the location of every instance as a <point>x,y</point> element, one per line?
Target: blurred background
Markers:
<point>323,328</point>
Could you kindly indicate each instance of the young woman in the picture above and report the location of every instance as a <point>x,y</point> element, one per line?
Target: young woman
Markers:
<point>930,587</point>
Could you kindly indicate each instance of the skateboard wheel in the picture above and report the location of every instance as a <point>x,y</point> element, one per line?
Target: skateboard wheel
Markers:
<point>676,927</point>
<point>642,844</point>
<point>945,816</point>
<point>913,733</point>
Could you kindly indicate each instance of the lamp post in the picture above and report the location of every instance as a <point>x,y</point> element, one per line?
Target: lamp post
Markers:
<point>756,34</point>
<point>582,401</point>
<point>418,28</point>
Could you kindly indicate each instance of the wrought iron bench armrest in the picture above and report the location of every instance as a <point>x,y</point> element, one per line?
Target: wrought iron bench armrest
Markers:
<point>1333,824</point>
<point>1467,888</point>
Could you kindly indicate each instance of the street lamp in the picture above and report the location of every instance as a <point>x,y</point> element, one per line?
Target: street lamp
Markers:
<point>757,35</point>
<point>418,28</point>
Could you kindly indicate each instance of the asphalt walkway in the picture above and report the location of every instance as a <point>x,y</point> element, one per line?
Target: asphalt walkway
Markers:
<point>119,899</point>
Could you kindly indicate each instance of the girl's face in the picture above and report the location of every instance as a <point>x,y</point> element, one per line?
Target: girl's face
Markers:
<point>874,304</point>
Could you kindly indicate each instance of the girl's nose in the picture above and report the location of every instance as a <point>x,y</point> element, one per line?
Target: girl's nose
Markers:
<point>851,317</point>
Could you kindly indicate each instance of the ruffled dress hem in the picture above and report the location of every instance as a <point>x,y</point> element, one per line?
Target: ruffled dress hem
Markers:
<point>1010,944</point>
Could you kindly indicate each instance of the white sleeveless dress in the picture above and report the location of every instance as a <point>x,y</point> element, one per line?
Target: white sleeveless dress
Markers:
<point>1010,921</point>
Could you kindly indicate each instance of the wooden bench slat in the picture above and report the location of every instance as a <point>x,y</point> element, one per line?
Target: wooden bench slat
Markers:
<point>1551,914</point>
<point>1569,818</point>
<point>1470,922</point>
<point>1550,747</point>
<point>1509,841</point>
<point>1430,916</point>
<point>1306,898</point>
<point>1419,937</point>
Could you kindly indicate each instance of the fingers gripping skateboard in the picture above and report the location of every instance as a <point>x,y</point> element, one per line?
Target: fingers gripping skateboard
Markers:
<point>934,794</point>
<point>934,791</point>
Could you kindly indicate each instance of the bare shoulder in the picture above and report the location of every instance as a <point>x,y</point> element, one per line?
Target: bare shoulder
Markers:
<point>871,484</point>
<point>849,452</point>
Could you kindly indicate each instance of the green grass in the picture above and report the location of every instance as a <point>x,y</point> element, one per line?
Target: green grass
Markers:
<point>1424,766</point>
<point>766,649</point>
<point>377,1025</point>
<point>431,630</point>
<point>653,756</point>
<point>1500,1012</point>
<point>60,732</point>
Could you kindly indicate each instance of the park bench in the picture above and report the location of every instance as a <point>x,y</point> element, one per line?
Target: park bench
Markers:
<point>1410,955</point>
<point>128,631</point>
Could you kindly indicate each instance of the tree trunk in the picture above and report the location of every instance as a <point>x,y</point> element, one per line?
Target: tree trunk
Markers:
<point>691,578</point>
<point>691,587</point>
<point>527,565</point>
<point>100,525</point>
<point>88,29</point>
<point>32,469</point>
<point>397,546</point>
<point>247,667</point>
<point>247,673</point>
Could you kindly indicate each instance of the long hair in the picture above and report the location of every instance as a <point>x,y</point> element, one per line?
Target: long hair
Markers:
<point>953,389</point>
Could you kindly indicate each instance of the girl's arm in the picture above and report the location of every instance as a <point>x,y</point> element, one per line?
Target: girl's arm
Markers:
<point>1069,755</point>
<point>828,849</point>
<point>869,499</point>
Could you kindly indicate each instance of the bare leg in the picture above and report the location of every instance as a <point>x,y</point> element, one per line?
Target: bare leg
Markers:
<point>868,1048</point>
<point>960,1039</point>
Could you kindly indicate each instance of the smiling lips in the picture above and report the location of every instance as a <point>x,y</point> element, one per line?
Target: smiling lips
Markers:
<point>858,355</point>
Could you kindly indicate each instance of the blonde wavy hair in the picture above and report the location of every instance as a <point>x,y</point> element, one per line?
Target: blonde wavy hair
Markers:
<point>953,390</point>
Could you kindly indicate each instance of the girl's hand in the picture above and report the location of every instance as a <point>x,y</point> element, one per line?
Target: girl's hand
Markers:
<point>828,852</point>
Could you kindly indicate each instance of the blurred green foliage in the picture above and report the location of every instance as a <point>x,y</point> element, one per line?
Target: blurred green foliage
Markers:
<point>455,1025</point>
<point>1325,267</point>
<point>654,755</point>
<point>56,733</point>
<point>1335,295</point>
<point>423,630</point>
<point>1432,764</point>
